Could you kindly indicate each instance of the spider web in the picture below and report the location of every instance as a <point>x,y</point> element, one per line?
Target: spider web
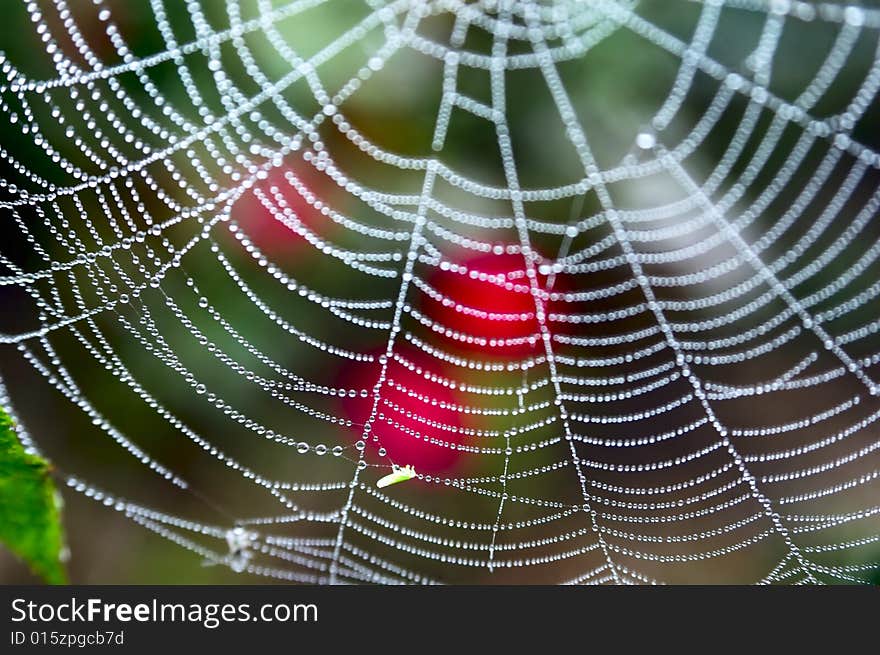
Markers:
<point>676,383</point>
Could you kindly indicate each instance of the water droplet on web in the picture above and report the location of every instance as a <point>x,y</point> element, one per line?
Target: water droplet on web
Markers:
<point>854,16</point>
<point>646,140</point>
<point>239,562</point>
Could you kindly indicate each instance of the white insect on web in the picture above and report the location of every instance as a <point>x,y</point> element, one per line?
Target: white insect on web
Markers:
<point>399,474</point>
<point>286,254</point>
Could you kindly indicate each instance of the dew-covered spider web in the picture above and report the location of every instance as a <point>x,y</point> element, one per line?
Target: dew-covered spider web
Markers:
<point>604,273</point>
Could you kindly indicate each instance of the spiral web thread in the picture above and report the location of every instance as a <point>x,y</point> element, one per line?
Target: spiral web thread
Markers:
<point>732,487</point>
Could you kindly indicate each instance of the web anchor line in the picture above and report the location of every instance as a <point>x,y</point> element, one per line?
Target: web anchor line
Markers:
<point>579,141</point>
<point>415,243</point>
<point>509,163</point>
<point>406,277</point>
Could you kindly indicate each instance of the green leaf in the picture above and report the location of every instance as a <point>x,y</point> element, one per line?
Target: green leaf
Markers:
<point>30,517</point>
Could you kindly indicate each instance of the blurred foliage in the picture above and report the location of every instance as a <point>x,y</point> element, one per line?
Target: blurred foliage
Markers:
<point>30,507</point>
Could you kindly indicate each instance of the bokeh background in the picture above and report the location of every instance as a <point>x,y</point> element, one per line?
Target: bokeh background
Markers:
<point>616,87</point>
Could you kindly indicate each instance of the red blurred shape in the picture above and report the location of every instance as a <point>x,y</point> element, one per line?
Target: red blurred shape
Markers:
<point>287,236</point>
<point>491,310</point>
<point>415,419</point>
